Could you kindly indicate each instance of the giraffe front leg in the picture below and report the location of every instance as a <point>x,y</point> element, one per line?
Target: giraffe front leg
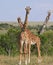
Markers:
<point>29,46</point>
<point>21,51</point>
<point>20,58</point>
<point>25,53</point>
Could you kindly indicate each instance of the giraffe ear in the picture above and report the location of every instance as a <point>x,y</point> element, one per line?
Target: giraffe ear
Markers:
<point>19,21</point>
<point>30,8</point>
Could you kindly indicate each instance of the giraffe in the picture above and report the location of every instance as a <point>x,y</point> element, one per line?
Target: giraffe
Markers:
<point>27,38</point>
<point>45,23</point>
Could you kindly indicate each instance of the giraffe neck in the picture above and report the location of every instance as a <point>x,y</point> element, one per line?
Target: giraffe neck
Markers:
<point>45,24</point>
<point>26,21</point>
<point>26,18</point>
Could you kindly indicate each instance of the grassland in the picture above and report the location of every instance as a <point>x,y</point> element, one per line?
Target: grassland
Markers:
<point>6,60</point>
<point>32,23</point>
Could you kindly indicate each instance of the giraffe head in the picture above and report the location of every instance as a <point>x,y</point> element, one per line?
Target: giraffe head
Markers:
<point>19,21</point>
<point>21,24</point>
<point>27,9</point>
<point>49,13</point>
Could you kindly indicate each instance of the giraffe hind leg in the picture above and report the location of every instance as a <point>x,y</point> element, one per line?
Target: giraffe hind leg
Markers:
<point>39,54</point>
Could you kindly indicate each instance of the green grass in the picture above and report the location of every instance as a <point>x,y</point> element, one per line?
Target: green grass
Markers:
<point>6,60</point>
<point>3,31</point>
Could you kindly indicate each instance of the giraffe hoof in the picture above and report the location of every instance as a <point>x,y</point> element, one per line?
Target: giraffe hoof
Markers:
<point>39,60</point>
<point>26,62</point>
<point>29,61</point>
<point>19,63</point>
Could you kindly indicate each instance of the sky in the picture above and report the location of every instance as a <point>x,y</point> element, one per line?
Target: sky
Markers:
<point>11,9</point>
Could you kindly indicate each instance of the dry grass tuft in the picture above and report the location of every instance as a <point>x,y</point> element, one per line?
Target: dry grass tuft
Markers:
<point>6,60</point>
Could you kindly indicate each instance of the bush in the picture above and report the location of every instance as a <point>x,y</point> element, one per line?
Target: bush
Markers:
<point>9,43</point>
<point>47,43</point>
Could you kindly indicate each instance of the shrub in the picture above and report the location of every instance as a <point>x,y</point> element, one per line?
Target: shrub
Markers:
<point>47,43</point>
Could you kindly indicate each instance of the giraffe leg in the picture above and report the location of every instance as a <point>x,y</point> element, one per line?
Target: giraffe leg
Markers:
<point>39,54</point>
<point>21,51</point>
<point>25,53</point>
<point>29,53</point>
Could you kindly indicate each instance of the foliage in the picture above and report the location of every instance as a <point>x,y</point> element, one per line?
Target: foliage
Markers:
<point>9,41</point>
<point>47,43</point>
